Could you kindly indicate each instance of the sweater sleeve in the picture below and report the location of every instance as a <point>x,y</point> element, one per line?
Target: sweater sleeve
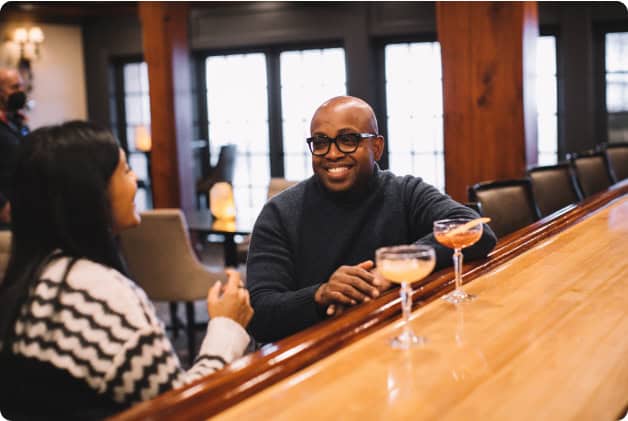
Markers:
<point>425,205</point>
<point>281,307</point>
<point>147,366</point>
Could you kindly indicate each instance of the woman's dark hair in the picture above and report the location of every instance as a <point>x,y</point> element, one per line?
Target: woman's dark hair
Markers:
<point>59,202</point>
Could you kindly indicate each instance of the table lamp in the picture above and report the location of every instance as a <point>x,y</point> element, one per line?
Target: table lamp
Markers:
<point>221,201</point>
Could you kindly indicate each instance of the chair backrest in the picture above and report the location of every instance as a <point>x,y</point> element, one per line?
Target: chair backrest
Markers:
<point>225,166</point>
<point>5,251</point>
<point>161,260</point>
<point>222,171</point>
<point>277,185</point>
<point>476,206</point>
<point>617,158</point>
<point>591,171</point>
<point>554,187</point>
<point>509,203</point>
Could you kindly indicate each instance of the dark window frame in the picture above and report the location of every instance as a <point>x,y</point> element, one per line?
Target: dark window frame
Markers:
<point>599,75</point>
<point>273,82</point>
<point>381,110</point>
<point>116,68</point>
<point>554,30</point>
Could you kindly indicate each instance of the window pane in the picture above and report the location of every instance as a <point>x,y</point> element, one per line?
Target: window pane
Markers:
<point>617,52</point>
<point>546,100</point>
<point>617,86</point>
<point>414,103</point>
<point>308,77</point>
<point>137,113</point>
<point>299,166</point>
<point>142,200</point>
<point>139,163</point>
<point>237,112</point>
<point>618,127</point>
<point>131,73</point>
<point>133,108</point>
<point>617,91</point>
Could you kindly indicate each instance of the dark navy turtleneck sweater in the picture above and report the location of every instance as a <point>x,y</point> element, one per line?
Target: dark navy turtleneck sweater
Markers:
<point>303,235</point>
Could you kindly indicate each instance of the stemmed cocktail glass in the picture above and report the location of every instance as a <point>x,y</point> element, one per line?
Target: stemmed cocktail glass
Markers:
<point>403,265</point>
<point>456,234</point>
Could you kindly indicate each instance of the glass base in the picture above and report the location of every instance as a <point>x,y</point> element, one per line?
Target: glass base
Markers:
<point>458,296</point>
<point>407,340</point>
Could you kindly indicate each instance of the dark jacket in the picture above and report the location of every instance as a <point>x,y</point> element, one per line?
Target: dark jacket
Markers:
<point>11,133</point>
<point>304,234</point>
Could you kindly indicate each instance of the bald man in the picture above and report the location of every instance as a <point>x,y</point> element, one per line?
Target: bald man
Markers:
<point>12,129</point>
<point>313,245</point>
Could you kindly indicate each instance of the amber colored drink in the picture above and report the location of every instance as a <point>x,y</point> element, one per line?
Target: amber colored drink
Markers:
<point>459,240</point>
<point>399,271</point>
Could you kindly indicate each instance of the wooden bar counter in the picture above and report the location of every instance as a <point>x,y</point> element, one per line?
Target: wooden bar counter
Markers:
<point>546,338</point>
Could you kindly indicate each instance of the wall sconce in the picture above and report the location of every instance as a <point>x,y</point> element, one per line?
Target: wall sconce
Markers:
<point>143,140</point>
<point>33,36</point>
<point>221,201</point>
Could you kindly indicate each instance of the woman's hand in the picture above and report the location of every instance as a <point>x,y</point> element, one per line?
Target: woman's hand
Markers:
<point>232,301</point>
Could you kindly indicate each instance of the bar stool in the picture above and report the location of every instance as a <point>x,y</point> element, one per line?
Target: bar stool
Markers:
<point>592,172</point>
<point>554,187</point>
<point>509,203</point>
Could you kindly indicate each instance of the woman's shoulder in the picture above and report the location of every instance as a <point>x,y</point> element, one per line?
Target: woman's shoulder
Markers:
<point>98,287</point>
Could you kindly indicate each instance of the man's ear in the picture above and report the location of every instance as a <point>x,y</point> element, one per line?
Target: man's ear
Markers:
<point>378,147</point>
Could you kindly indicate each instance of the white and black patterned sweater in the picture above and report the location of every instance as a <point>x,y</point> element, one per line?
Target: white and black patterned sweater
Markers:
<point>94,345</point>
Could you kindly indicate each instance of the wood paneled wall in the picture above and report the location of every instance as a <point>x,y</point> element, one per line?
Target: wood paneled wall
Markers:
<point>488,56</point>
<point>165,40</point>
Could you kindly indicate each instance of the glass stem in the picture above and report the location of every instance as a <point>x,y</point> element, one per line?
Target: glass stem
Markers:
<point>458,268</point>
<point>406,306</point>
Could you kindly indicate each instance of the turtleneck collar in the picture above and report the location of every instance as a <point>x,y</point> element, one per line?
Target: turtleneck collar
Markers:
<point>351,196</point>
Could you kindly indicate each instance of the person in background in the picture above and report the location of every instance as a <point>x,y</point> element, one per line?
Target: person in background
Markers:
<point>78,338</point>
<point>12,129</point>
<point>312,245</point>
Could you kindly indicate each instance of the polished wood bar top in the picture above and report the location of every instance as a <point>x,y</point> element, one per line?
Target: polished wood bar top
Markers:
<point>259,371</point>
<point>545,339</point>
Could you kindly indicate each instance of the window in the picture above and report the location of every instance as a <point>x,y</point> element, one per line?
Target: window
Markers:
<point>547,100</point>
<point>308,77</point>
<point>251,95</point>
<point>414,107</point>
<point>237,112</point>
<point>617,86</point>
<point>134,117</point>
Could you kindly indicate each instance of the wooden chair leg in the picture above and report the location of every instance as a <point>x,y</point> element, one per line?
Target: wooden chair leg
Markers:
<point>191,328</point>
<point>174,320</point>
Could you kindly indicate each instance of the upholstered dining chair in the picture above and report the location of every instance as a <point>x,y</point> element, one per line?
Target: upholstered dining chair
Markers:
<point>509,203</point>
<point>276,186</point>
<point>476,206</point>
<point>5,251</point>
<point>222,171</point>
<point>617,158</point>
<point>161,260</point>
<point>554,187</point>
<point>592,172</point>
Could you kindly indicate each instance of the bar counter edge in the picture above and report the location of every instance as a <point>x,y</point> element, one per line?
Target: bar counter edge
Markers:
<point>274,362</point>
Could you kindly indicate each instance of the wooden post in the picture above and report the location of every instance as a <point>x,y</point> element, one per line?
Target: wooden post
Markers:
<point>489,65</point>
<point>165,40</point>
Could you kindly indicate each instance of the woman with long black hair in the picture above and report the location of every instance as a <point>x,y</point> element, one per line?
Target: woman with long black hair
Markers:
<point>78,339</point>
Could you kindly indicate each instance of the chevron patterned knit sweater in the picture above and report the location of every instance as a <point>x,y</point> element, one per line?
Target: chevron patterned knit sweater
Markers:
<point>92,345</point>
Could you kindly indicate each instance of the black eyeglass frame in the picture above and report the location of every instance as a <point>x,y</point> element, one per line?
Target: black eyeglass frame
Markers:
<point>360,137</point>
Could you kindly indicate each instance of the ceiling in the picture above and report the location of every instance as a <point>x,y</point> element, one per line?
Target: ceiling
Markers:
<point>65,12</point>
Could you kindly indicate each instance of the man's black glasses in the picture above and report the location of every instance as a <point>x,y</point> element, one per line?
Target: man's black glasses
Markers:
<point>346,143</point>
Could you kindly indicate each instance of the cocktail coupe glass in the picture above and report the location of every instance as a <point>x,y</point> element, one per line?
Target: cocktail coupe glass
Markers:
<point>404,265</point>
<point>452,234</point>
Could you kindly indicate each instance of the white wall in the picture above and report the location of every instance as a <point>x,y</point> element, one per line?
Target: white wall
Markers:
<point>58,74</point>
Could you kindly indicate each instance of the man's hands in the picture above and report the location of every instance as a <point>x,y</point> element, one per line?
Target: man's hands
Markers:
<point>350,285</point>
<point>234,301</point>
